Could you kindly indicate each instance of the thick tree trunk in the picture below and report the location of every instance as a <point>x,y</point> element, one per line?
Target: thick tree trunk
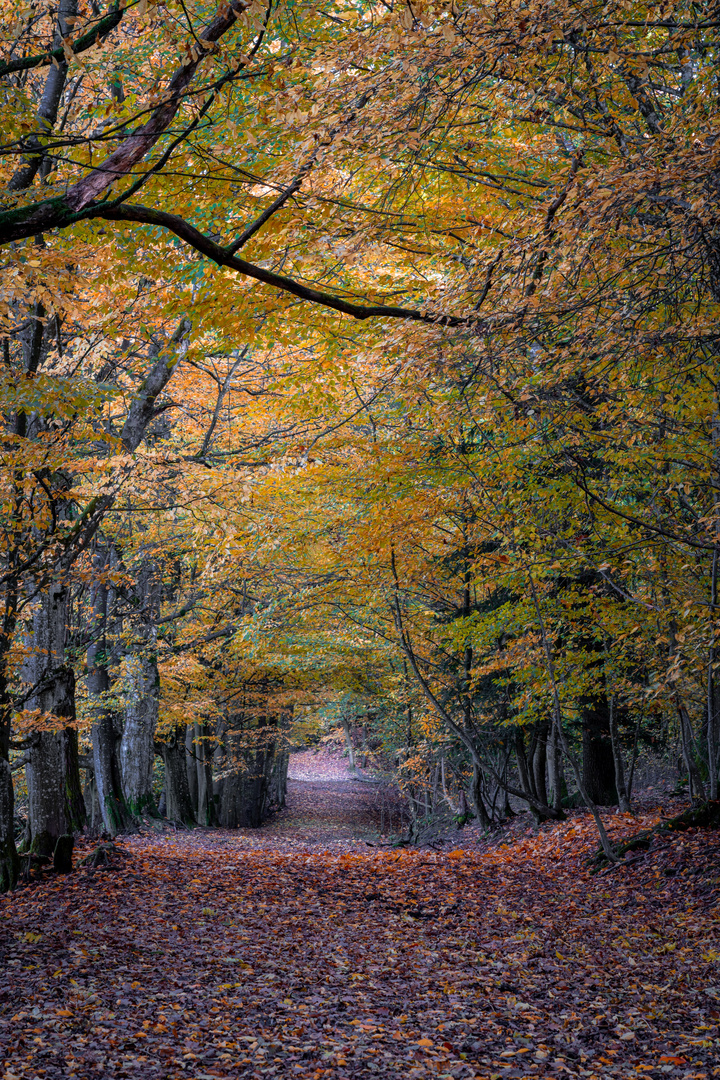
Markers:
<point>9,862</point>
<point>277,787</point>
<point>178,806</point>
<point>137,746</point>
<point>105,734</point>
<point>598,762</point>
<point>55,803</point>
<point>243,777</point>
<point>53,779</point>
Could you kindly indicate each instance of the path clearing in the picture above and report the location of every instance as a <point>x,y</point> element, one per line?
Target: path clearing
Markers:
<point>219,955</point>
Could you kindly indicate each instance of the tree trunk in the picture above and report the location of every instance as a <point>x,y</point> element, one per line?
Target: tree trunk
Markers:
<point>695,784</point>
<point>620,785</point>
<point>539,762</point>
<point>206,812</point>
<point>55,802</point>
<point>277,786</point>
<point>242,787</point>
<point>555,772</point>
<point>191,766</point>
<point>105,734</point>
<point>137,745</point>
<point>9,862</point>
<point>598,762</point>
<point>178,806</point>
<point>53,779</point>
<point>348,742</point>
<point>476,798</point>
<point>8,855</point>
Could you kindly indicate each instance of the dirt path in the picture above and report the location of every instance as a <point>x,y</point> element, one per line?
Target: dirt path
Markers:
<point>298,951</point>
<point>328,809</point>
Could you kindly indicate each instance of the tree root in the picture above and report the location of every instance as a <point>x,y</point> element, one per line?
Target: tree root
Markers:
<point>705,816</point>
<point>101,856</point>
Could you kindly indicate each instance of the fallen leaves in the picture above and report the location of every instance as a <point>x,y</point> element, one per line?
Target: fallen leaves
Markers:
<point>200,956</point>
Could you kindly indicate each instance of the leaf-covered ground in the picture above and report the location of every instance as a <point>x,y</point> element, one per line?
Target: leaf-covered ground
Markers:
<point>205,955</point>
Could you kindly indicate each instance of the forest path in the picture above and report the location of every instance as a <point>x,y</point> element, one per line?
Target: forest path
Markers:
<point>198,956</point>
<point>328,809</point>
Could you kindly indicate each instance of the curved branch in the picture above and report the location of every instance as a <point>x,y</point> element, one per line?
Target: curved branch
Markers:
<point>100,30</point>
<point>221,256</point>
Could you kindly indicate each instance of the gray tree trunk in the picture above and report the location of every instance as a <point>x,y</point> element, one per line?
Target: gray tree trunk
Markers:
<point>105,729</point>
<point>555,771</point>
<point>9,862</point>
<point>539,762</point>
<point>137,747</point>
<point>206,811</point>
<point>191,765</point>
<point>277,786</point>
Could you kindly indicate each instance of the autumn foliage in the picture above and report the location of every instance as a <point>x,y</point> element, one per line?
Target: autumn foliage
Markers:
<point>359,379</point>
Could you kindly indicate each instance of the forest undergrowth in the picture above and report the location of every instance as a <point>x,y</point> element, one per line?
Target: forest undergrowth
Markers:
<point>217,954</point>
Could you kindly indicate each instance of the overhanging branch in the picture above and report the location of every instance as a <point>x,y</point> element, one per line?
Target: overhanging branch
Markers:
<point>221,256</point>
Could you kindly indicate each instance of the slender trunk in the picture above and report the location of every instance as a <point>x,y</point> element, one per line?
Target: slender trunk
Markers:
<point>191,765</point>
<point>522,764</point>
<point>476,798</point>
<point>697,789</point>
<point>539,762</point>
<point>348,742</point>
<point>555,771</point>
<point>633,760</point>
<point>713,704</point>
<point>622,792</point>
<point>206,813</point>
<point>9,862</point>
<point>557,725</point>
<point>446,793</point>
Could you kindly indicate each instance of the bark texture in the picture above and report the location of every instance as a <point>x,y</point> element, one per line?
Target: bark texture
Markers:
<point>53,779</point>
<point>105,729</point>
<point>137,746</point>
<point>178,806</point>
<point>598,765</point>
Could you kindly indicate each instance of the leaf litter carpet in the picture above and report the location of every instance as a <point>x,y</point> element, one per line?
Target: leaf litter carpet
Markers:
<point>295,950</point>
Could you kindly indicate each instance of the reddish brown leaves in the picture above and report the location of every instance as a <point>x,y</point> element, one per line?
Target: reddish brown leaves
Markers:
<point>202,957</point>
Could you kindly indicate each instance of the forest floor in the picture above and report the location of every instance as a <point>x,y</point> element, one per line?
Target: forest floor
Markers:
<point>297,950</point>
